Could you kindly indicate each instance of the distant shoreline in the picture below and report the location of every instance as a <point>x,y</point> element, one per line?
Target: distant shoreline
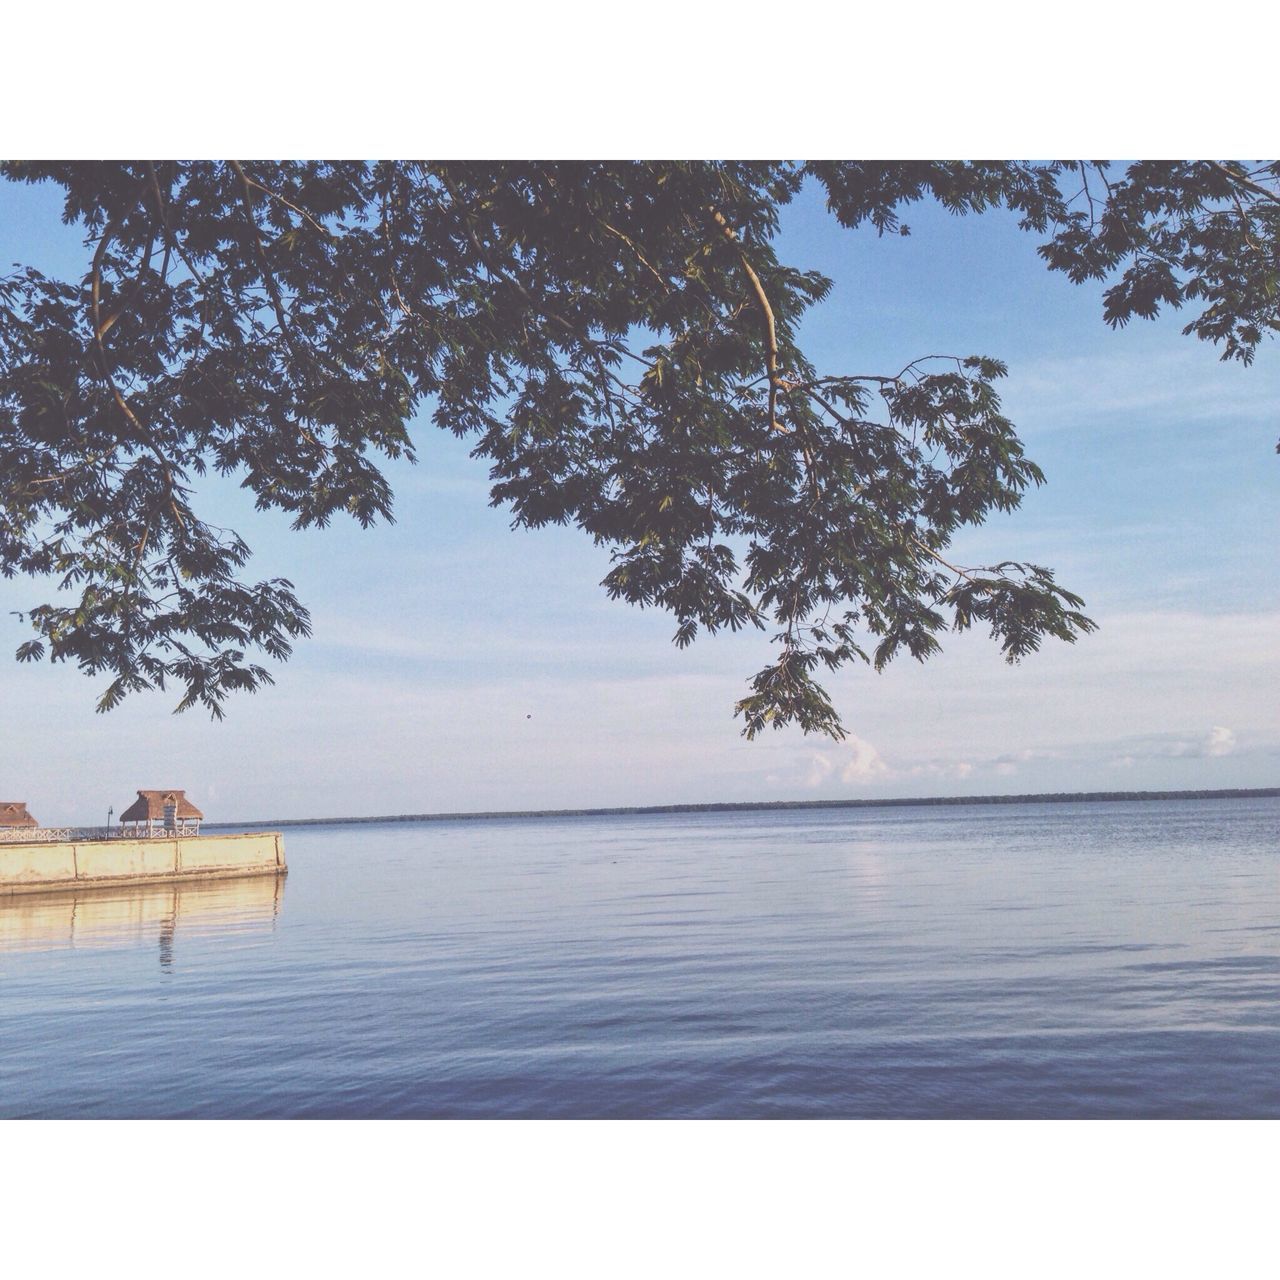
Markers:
<point>764,806</point>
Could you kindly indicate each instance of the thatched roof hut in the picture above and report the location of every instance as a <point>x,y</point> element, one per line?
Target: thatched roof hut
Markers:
<point>13,813</point>
<point>169,809</point>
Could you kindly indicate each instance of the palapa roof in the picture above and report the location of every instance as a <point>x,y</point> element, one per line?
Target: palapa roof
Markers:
<point>151,804</point>
<point>13,813</point>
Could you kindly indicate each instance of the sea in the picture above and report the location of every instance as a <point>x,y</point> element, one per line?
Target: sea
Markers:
<point>1070,960</point>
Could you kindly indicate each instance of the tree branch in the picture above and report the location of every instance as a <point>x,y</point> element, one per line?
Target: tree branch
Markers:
<point>100,330</point>
<point>770,325</point>
<point>1248,183</point>
<point>268,277</point>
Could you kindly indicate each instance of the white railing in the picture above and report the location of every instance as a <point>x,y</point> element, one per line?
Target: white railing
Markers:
<point>42,835</point>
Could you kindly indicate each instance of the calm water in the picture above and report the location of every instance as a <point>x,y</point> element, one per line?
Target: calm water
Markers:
<point>1037,960</point>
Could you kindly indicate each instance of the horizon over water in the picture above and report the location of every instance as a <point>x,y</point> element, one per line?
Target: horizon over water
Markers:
<point>1102,959</point>
<point>753,806</point>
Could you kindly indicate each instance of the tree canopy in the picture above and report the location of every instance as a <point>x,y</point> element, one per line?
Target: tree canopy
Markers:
<point>616,340</point>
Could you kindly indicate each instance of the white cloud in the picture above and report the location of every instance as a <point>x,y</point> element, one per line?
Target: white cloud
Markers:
<point>938,769</point>
<point>1219,741</point>
<point>1136,388</point>
<point>854,761</point>
<point>820,769</point>
<point>864,762</point>
<point>858,762</point>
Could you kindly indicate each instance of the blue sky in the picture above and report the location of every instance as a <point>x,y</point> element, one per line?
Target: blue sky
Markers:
<point>459,665</point>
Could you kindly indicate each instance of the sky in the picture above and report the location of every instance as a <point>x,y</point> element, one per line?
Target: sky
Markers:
<point>458,665</point>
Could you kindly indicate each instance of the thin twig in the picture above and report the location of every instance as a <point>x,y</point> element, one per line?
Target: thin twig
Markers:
<point>967,574</point>
<point>1088,195</point>
<point>288,204</point>
<point>626,239</point>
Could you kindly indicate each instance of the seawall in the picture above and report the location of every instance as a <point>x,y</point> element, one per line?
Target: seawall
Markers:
<point>47,866</point>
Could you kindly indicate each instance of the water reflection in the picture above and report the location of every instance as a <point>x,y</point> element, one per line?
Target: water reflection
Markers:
<point>123,917</point>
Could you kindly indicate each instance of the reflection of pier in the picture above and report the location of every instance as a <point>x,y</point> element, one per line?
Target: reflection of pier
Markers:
<point>123,917</point>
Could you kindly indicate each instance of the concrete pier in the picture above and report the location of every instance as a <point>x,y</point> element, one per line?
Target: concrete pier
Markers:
<point>55,865</point>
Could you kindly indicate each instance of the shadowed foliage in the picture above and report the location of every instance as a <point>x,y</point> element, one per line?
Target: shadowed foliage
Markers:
<point>617,341</point>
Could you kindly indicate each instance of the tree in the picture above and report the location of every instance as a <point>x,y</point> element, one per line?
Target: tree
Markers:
<point>618,342</point>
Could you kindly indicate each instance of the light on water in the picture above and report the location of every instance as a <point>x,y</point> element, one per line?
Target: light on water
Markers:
<point>1032,960</point>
